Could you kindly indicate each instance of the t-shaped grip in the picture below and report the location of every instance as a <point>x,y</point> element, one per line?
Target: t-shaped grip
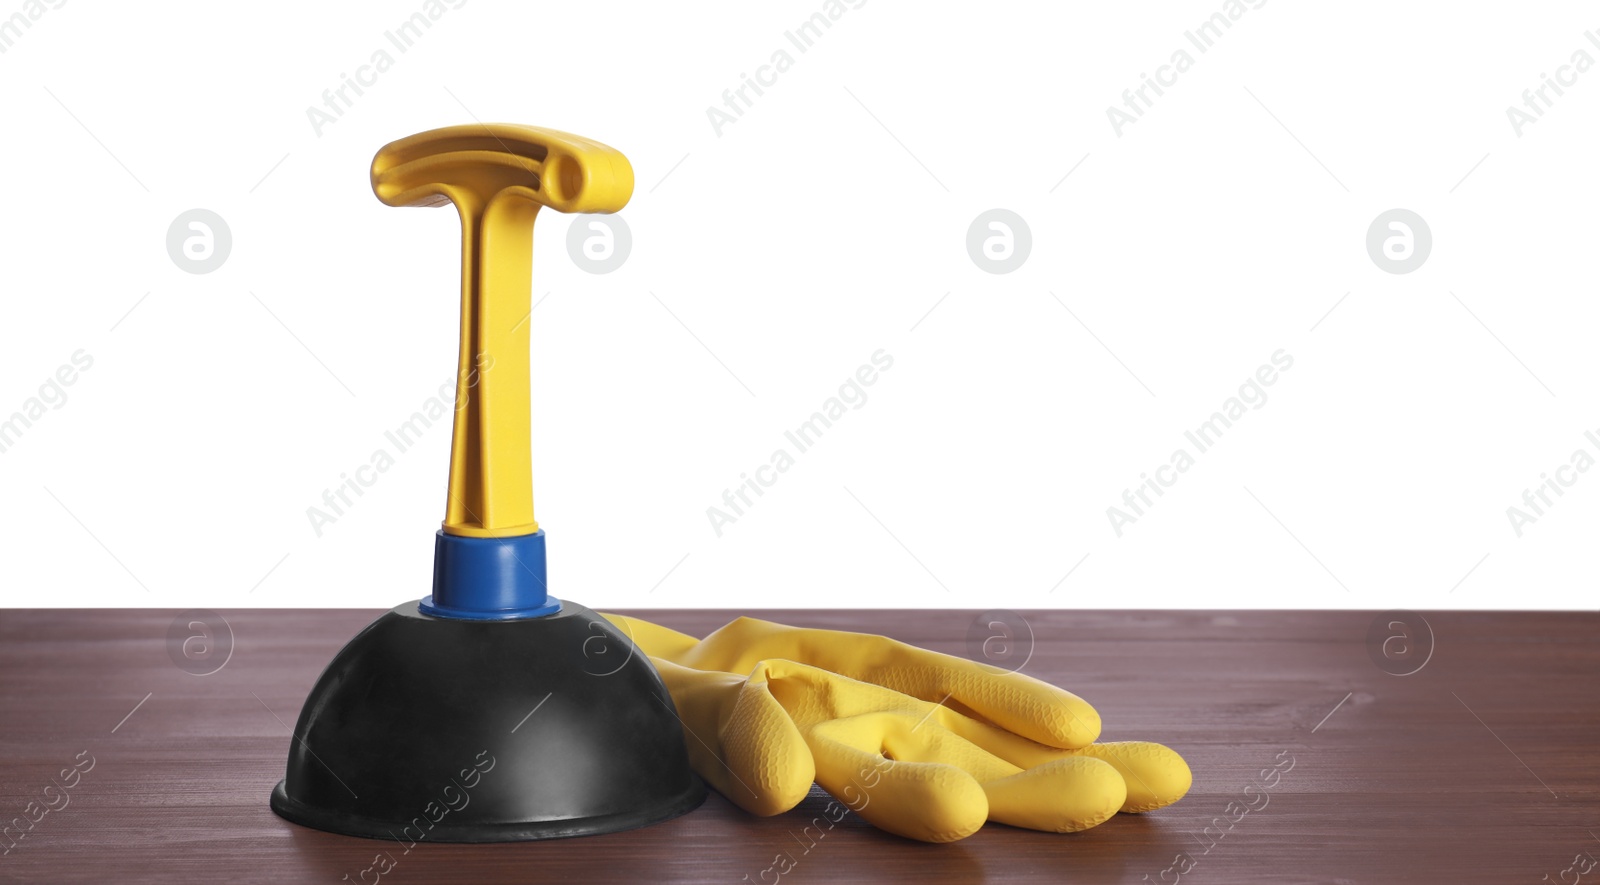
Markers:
<point>497,175</point>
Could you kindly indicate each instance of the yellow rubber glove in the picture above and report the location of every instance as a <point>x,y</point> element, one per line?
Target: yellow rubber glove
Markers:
<point>921,744</point>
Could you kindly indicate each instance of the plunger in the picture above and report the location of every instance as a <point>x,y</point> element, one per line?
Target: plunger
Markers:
<point>490,711</point>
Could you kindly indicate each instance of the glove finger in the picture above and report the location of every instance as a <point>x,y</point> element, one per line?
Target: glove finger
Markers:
<point>1156,775</point>
<point>740,739</point>
<point>927,801</point>
<point>1019,704</point>
<point>1020,724</point>
<point>1061,796</point>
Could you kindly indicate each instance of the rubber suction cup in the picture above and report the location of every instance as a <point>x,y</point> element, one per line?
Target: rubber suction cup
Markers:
<point>455,730</point>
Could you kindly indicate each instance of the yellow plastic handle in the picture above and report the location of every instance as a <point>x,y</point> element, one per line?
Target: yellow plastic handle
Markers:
<point>497,175</point>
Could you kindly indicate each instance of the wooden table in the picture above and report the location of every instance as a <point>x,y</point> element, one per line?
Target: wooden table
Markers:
<point>1483,766</point>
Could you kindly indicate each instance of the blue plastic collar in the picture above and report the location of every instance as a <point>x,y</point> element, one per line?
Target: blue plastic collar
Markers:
<point>489,579</point>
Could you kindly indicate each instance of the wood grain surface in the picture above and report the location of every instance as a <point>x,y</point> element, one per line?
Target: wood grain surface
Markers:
<point>1482,766</point>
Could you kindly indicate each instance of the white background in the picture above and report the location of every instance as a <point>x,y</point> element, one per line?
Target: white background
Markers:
<point>772,260</point>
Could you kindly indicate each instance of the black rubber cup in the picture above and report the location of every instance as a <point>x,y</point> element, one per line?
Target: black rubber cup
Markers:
<point>445,730</point>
